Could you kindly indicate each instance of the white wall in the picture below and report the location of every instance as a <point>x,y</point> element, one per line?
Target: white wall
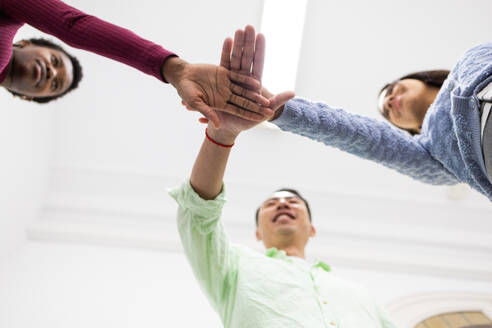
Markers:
<point>59,286</point>
<point>70,285</point>
<point>111,149</point>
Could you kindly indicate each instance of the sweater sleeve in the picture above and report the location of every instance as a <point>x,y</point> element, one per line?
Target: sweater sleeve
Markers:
<point>89,33</point>
<point>364,137</point>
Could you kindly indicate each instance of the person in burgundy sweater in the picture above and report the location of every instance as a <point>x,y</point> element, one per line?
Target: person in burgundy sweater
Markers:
<point>41,71</point>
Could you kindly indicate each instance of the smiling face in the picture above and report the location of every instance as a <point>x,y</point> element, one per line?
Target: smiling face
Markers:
<point>39,71</point>
<point>283,220</point>
<point>405,103</point>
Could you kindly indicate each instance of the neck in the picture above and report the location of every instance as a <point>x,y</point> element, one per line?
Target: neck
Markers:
<point>294,251</point>
<point>290,246</point>
<point>432,94</point>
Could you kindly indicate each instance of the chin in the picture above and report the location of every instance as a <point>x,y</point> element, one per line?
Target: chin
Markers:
<point>286,230</point>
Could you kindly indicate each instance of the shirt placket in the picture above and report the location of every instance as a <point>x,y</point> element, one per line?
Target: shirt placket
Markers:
<point>328,317</point>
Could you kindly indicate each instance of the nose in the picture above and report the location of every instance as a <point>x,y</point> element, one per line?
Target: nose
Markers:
<point>282,203</point>
<point>389,102</point>
<point>51,71</point>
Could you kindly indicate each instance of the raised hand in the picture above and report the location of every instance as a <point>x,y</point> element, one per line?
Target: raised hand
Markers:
<point>245,55</point>
<point>211,89</point>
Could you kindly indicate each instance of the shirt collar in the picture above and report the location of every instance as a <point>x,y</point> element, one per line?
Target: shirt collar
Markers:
<point>280,254</point>
<point>275,253</point>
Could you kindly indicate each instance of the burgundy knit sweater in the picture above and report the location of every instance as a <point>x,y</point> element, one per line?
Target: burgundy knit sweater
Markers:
<point>79,30</point>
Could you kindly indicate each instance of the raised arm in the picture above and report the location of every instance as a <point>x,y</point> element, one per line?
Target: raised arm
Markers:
<point>364,137</point>
<point>206,87</point>
<point>87,32</point>
<point>361,136</point>
<point>205,243</point>
<point>200,201</point>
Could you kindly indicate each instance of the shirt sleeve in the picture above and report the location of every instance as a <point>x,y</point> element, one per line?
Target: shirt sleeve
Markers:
<point>364,137</point>
<point>213,260</point>
<point>90,33</point>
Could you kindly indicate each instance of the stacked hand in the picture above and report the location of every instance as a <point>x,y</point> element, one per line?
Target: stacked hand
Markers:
<point>245,55</point>
<point>211,89</point>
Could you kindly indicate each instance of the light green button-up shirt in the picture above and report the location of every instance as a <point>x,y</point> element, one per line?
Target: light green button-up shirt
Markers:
<point>250,289</point>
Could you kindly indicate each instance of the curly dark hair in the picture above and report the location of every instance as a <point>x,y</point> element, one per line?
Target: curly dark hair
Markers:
<point>77,70</point>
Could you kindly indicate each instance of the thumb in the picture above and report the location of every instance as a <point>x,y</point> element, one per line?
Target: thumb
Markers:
<point>188,107</point>
<point>203,120</point>
<point>280,99</point>
<point>208,112</point>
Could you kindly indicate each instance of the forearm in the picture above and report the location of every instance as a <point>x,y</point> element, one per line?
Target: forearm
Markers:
<point>200,205</point>
<point>364,137</point>
<point>209,168</point>
<point>90,33</point>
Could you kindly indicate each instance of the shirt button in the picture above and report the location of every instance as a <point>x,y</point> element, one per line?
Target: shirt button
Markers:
<point>333,324</point>
<point>325,302</point>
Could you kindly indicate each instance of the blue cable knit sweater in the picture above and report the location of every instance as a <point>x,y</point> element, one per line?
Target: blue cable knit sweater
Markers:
<point>447,150</point>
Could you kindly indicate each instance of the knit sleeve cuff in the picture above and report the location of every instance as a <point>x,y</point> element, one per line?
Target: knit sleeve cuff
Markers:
<point>290,115</point>
<point>156,58</point>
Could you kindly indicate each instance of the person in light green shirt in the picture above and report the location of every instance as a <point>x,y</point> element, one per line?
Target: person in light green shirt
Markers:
<point>248,289</point>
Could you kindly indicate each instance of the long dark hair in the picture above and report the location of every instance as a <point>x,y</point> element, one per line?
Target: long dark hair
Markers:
<point>433,78</point>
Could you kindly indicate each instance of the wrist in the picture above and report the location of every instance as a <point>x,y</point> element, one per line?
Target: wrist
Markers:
<point>172,70</point>
<point>277,113</point>
<point>223,137</point>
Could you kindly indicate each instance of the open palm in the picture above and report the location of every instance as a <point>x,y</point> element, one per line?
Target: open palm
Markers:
<point>205,87</point>
<point>245,55</point>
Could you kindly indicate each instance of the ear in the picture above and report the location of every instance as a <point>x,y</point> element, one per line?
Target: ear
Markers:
<point>258,234</point>
<point>312,233</point>
<point>22,43</point>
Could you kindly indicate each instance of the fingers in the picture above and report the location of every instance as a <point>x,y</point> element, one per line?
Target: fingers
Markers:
<point>281,99</point>
<point>244,80</point>
<point>188,106</point>
<point>237,50</point>
<point>236,110</point>
<point>225,58</point>
<point>207,112</point>
<point>248,49</point>
<point>203,120</point>
<point>251,95</point>
<point>259,57</point>
<point>251,108</point>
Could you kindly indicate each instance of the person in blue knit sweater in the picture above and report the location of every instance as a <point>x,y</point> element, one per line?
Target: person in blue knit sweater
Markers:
<point>441,132</point>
